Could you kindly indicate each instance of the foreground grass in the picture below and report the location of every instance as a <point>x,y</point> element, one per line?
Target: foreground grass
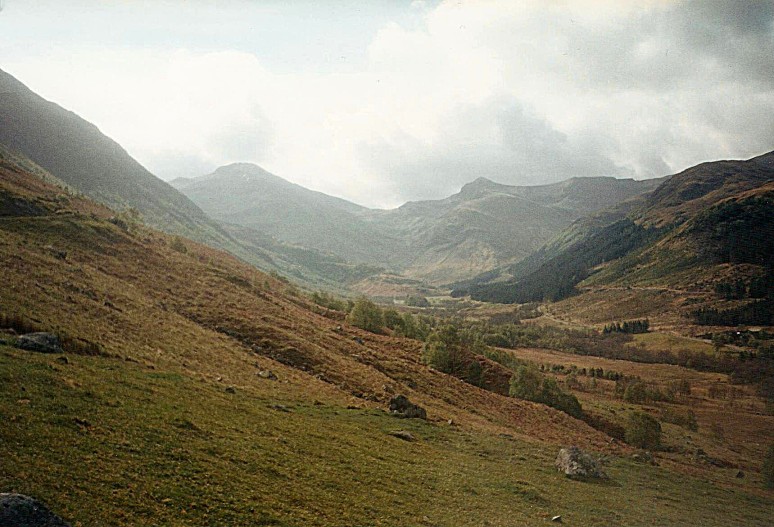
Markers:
<point>108,442</point>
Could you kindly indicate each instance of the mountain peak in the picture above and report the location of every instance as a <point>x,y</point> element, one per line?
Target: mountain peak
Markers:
<point>242,169</point>
<point>480,184</point>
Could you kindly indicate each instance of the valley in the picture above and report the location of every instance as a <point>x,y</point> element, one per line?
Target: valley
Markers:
<point>231,349</point>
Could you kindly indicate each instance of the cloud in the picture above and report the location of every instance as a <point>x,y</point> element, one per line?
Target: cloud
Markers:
<point>520,92</point>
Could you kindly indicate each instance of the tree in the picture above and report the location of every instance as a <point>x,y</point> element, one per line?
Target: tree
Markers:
<point>643,431</point>
<point>444,351</point>
<point>366,315</point>
<point>392,318</point>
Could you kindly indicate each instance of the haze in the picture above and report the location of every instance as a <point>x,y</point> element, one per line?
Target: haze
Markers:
<point>383,102</point>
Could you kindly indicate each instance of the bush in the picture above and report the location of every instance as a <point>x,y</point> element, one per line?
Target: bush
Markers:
<point>366,315</point>
<point>178,245</point>
<point>417,301</point>
<point>327,300</point>
<point>529,384</point>
<point>643,431</point>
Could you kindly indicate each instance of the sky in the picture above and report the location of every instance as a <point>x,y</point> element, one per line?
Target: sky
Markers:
<point>385,101</point>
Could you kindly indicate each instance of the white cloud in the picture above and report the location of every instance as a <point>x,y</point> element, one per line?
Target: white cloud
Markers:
<point>521,92</point>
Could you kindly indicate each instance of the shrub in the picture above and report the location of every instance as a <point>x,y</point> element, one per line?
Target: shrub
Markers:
<point>321,298</point>
<point>417,301</point>
<point>529,384</point>
<point>392,318</point>
<point>178,245</point>
<point>366,315</point>
<point>643,431</point>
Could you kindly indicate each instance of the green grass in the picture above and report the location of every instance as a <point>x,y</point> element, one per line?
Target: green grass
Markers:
<point>674,343</point>
<point>107,442</point>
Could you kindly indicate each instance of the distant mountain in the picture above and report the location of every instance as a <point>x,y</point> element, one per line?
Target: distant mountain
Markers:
<point>714,214</point>
<point>245,194</point>
<point>51,142</point>
<point>489,224</point>
<point>485,225</point>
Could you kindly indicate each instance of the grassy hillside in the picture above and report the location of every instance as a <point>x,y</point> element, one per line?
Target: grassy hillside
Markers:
<point>162,412</point>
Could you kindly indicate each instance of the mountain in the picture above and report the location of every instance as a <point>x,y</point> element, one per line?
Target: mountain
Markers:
<point>710,224</point>
<point>488,224</point>
<point>246,195</point>
<point>484,226</point>
<point>77,153</point>
<point>47,139</point>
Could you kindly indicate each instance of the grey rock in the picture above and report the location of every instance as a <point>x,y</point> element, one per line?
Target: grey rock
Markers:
<point>576,463</point>
<point>18,510</point>
<point>403,434</point>
<point>402,407</point>
<point>230,389</point>
<point>557,519</point>
<point>40,342</point>
<point>267,374</point>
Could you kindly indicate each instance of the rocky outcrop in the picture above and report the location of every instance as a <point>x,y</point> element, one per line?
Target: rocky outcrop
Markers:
<point>576,463</point>
<point>402,407</point>
<point>40,342</point>
<point>18,510</point>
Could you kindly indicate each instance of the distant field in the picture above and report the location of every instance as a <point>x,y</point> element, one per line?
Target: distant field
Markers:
<point>671,342</point>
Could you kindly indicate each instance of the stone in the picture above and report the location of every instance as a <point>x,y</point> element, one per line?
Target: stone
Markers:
<point>230,389</point>
<point>40,342</point>
<point>576,463</point>
<point>557,519</point>
<point>62,360</point>
<point>402,407</point>
<point>267,374</point>
<point>19,510</point>
<point>740,474</point>
<point>403,434</point>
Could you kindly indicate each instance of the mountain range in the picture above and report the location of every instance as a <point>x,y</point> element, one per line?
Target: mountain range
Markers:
<point>709,224</point>
<point>483,226</point>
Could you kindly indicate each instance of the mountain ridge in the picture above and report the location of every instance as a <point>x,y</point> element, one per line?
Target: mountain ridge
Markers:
<point>484,225</point>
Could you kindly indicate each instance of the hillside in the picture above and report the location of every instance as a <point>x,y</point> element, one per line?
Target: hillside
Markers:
<point>77,153</point>
<point>163,410</point>
<point>484,226</point>
<point>707,225</point>
<point>54,143</point>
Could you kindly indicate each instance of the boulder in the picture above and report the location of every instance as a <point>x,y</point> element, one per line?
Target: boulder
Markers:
<point>18,510</point>
<point>576,463</point>
<point>403,434</point>
<point>402,407</point>
<point>40,342</point>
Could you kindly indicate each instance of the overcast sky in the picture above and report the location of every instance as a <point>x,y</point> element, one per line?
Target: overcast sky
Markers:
<point>386,101</point>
